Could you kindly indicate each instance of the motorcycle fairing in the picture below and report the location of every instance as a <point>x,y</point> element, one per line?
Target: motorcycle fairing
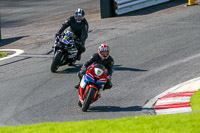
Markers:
<point>101,82</point>
<point>65,41</point>
<point>92,79</point>
<point>88,79</point>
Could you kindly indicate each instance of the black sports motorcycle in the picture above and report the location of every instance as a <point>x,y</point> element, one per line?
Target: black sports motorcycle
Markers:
<point>65,51</point>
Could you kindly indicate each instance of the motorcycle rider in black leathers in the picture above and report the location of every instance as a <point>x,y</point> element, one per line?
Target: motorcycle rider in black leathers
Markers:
<point>102,57</point>
<point>79,26</point>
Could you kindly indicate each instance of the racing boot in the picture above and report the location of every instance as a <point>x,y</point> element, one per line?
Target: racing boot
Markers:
<point>72,63</point>
<point>77,86</point>
<point>79,103</point>
<point>108,85</point>
<point>78,56</point>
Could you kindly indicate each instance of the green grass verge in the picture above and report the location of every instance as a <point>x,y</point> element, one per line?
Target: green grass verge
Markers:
<point>3,55</point>
<point>195,101</point>
<point>177,123</point>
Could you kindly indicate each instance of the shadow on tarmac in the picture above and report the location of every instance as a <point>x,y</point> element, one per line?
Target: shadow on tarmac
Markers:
<point>71,69</point>
<point>15,61</point>
<point>120,68</point>
<point>76,68</point>
<point>7,41</point>
<point>114,109</point>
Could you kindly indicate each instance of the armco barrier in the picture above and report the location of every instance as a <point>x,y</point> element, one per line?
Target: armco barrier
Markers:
<point>110,8</point>
<point>125,6</point>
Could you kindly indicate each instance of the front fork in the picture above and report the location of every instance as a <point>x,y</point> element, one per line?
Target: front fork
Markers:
<point>83,90</point>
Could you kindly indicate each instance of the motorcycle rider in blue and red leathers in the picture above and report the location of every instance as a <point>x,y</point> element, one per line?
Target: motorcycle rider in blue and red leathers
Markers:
<point>79,26</point>
<point>102,57</point>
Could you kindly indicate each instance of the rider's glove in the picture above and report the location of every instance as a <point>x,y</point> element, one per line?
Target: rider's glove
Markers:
<point>83,69</point>
<point>79,44</point>
<point>57,34</point>
<point>109,77</point>
<point>81,72</point>
<point>57,38</point>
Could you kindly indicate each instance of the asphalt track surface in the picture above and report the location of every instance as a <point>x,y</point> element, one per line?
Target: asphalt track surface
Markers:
<point>154,49</point>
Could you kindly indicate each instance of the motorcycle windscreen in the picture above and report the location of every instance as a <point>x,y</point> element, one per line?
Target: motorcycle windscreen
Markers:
<point>98,71</point>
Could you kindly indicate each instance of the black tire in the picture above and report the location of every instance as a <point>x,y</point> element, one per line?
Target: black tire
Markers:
<point>56,61</point>
<point>88,99</point>
<point>79,103</point>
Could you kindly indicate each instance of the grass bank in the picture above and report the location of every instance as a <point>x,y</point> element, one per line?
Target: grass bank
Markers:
<point>3,55</point>
<point>195,101</point>
<point>177,123</point>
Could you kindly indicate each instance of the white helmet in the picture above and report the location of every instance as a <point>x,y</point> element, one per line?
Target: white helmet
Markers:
<point>104,51</point>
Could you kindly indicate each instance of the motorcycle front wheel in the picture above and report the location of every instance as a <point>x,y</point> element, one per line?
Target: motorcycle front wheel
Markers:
<point>88,99</point>
<point>56,61</point>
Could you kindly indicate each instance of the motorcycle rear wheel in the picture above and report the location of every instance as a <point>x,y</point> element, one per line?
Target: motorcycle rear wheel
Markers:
<point>88,99</point>
<point>56,61</point>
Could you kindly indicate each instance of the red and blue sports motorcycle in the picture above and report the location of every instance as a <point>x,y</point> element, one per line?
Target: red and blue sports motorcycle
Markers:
<point>92,82</point>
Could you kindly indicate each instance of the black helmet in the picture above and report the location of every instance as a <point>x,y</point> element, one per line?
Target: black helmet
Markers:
<point>79,15</point>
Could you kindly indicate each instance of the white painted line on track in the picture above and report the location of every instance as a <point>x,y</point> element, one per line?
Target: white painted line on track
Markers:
<point>174,110</point>
<point>167,66</point>
<point>173,100</point>
<point>17,52</point>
